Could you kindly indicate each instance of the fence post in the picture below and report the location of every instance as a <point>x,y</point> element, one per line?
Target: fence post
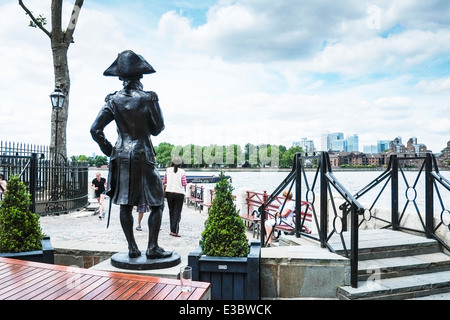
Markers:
<point>33,180</point>
<point>323,201</point>
<point>354,248</point>
<point>394,192</point>
<point>429,205</point>
<point>298,195</point>
<point>263,226</point>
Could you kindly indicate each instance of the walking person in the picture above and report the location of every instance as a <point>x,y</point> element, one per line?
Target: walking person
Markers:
<point>175,185</point>
<point>141,209</point>
<point>98,185</point>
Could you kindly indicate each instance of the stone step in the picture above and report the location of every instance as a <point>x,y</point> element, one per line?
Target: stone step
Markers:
<point>399,288</point>
<point>382,243</point>
<point>439,296</point>
<point>403,266</point>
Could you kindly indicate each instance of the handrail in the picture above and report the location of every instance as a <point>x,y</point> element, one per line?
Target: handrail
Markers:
<point>433,179</point>
<point>326,181</point>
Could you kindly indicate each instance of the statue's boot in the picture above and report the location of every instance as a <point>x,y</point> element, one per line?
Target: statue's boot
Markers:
<point>126,220</point>
<point>157,253</point>
<point>154,251</point>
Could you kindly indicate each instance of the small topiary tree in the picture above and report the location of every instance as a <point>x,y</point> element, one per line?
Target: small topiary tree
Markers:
<point>19,227</point>
<point>224,233</point>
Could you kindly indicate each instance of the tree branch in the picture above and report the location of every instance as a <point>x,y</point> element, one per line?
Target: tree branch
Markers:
<point>73,20</point>
<point>35,21</point>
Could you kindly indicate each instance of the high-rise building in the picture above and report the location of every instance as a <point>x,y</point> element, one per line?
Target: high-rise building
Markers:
<point>336,142</point>
<point>324,142</point>
<point>305,144</point>
<point>353,143</point>
<point>382,145</point>
<point>370,149</point>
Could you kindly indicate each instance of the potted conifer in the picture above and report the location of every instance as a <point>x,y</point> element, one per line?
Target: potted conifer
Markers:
<point>20,233</point>
<point>224,257</point>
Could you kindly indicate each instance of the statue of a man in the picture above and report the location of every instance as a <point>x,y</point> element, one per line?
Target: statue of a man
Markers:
<point>133,177</point>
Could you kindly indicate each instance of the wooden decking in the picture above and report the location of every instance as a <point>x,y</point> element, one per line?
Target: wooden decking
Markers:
<point>23,280</point>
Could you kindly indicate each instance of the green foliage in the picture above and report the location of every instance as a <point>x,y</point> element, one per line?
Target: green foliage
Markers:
<point>96,161</point>
<point>287,157</point>
<point>40,19</point>
<point>230,156</point>
<point>224,233</point>
<point>164,154</point>
<point>19,227</point>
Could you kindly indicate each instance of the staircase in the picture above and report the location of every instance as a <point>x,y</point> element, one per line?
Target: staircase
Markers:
<point>394,265</point>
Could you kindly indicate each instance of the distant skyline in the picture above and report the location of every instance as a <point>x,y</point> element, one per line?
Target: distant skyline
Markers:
<point>241,71</point>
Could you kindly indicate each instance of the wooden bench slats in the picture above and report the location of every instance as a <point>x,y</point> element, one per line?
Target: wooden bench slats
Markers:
<point>21,270</point>
<point>152,292</point>
<point>129,293</point>
<point>39,288</point>
<point>62,288</point>
<point>95,292</point>
<point>164,292</point>
<point>24,280</point>
<point>17,283</point>
<point>142,291</point>
<point>83,282</point>
<point>45,287</point>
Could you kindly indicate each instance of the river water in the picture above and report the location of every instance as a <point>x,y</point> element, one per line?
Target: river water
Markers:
<point>353,181</point>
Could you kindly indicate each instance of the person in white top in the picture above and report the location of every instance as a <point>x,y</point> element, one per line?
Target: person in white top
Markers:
<point>285,217</point>
<point>175,187</point>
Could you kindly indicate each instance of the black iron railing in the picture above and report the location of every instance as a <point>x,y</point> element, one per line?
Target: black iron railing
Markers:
<point>413,194</point>
<point>55,186</point>
<point>406,192</point>
<point>324,184</point>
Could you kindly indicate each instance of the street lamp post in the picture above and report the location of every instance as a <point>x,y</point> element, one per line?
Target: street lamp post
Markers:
<point>57,98</point>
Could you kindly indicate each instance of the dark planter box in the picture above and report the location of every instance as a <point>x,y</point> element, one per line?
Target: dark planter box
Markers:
<point>230,278</point>
<point>46,255</point>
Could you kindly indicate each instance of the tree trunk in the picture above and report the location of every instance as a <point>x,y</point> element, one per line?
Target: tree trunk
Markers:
<point>60,41</point>
<point>59,117</point>
<point>60,48</point>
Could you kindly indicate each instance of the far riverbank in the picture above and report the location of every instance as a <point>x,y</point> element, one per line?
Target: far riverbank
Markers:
<point>289,169</point>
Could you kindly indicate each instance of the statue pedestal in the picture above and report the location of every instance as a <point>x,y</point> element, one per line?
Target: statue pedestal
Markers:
<point>123,261</point>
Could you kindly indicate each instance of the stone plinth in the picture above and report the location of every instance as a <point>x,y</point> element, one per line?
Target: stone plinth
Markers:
<point>301,272</point>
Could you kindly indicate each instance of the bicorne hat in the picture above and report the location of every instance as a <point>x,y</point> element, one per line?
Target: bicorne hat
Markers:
<point>129,65</point>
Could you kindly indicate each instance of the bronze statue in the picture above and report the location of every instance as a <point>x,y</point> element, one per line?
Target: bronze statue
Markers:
<point>133,177</point>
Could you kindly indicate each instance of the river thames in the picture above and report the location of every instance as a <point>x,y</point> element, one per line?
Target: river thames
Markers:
<point>353,181</point>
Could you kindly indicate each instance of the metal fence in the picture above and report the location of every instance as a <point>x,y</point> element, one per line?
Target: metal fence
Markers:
<point>336,210</point>
<point>55,187</point>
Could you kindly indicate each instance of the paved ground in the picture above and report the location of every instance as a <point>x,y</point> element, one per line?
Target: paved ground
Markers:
<point>85,231</point>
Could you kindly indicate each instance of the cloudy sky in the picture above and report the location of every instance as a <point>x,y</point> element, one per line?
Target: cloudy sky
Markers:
<point>238,71</point>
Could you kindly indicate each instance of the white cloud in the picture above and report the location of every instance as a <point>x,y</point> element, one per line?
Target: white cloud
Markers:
<point>434,86</point>
<point>261,30</point>
<point>256,71</point>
